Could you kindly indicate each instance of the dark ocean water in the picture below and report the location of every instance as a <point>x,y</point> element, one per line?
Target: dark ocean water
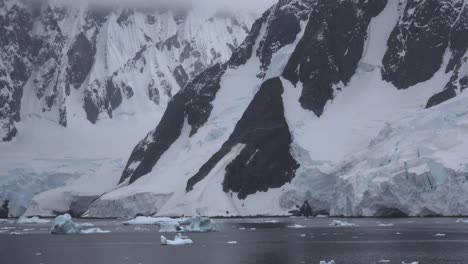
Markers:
<point>259,241</point>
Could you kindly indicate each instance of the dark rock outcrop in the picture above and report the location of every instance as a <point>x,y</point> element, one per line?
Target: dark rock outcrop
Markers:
<point>15,61</point>
<point>265,161</point>
<point>80,59</point>
<point>148,152</point>
<point>458,63</point>
<point>419,41</point>
<point>4,211</point>
<point>331,49</point>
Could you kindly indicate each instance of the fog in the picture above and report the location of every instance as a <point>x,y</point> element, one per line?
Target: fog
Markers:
<point>250,5</point>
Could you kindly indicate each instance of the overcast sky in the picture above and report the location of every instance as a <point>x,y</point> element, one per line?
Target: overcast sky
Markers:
<point>253,5</point>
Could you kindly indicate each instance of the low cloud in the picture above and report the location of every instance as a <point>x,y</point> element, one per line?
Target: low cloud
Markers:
<point>251,5</point>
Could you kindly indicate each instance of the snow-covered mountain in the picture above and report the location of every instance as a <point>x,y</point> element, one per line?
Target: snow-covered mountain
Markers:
<point>81,84</point>
<point>357,106</point>
<point>60,60</point>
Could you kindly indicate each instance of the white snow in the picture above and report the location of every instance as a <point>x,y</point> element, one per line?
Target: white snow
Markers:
<point>32,220</point>
<point>178,240</point>
<point>339,223</point>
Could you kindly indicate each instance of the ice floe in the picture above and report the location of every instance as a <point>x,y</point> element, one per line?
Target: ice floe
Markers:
<point>94,230</point>
<point>296,226</point>
<point>186,224</point>
<point>32,220</point>
<point>339,223</point>
<point>386,225</point>
<point>178,240</point>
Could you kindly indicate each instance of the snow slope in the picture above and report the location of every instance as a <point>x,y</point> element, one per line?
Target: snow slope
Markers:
<point>97,80</point>
<point>361,142</point>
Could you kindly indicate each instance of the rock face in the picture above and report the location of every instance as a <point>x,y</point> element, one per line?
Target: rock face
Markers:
<point>265,161</point>
<point>328,54</point>
<point>458,63</point>
<point>107,60</point>
<point>419,41</point>
<point>292,117</point>
<point>4,212</point>
<point>15,64</point>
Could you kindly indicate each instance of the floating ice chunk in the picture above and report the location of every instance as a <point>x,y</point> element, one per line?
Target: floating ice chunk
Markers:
<point>148,220</point>
<point>341,223</point>
<point>439,235</point>
<point>28,229</point>
<point>322,216</point>
<point>461,220</point>
<point>296,226</point>
<point>32,220</point>
<point>166,224</point>
<point>414,262</point>
<point>384,225</point>
<point>383,261</point>
<point>178,240</point>
<point>253,228</point>
<point>87,225</point>
<point>63,225</point>
<point>241,228</point>
<point>397,233</point>
<point>232,242</point>
<point>38,253</point>
<point>198,224</point>
<point>303,235</point>
<point>271,221</point>
<point>94,231</point>
<point>16,233</point>
<point>325,262</point>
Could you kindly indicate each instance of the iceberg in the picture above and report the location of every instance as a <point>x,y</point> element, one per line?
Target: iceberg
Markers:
<point>63,225</point>
<point>324,262</point>
<point>178,240</point>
